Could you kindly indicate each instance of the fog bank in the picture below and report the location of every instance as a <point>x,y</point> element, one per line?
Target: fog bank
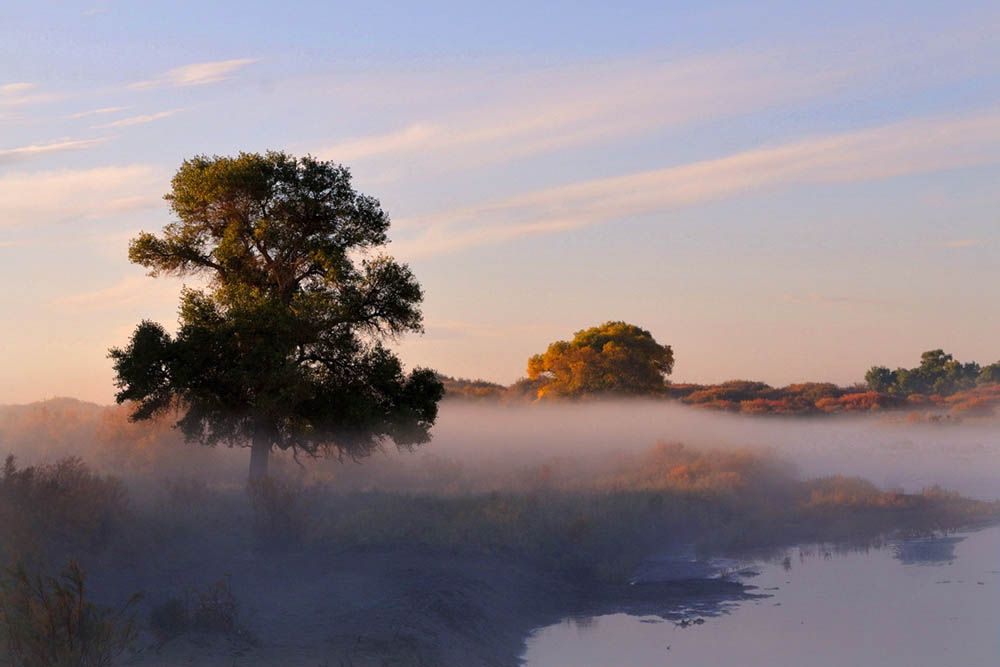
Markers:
<point>482,446</point>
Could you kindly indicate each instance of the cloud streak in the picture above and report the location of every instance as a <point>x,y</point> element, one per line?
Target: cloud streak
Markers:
<point>97,112</point>
<point>48,197</point>
<point>918,146</point>
<point>14,89</point>
<point>11,155</point>
<point>486,114</point>
<point>555,108</point>
<point>137,120</point>
<point>23,93</point>
<point>196,74</point>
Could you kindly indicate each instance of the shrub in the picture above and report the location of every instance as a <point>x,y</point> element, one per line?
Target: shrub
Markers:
<point>49,622</point>
<point>216,609</point>
<point>61,505</point>
<point>976,407</point>
<point>212,610</point>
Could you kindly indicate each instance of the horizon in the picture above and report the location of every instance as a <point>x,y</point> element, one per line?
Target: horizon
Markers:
<point>779,193</point>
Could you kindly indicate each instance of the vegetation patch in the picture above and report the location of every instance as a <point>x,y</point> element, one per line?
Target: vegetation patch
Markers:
<point>49,622</point>
<point>209,610</point>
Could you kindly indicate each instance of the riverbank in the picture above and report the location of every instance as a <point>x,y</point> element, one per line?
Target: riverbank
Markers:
<point>406,607</point>
<point>304,574</point>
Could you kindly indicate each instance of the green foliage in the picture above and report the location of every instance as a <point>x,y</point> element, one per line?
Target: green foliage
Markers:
<point>938,374</point>
<point>989,374</point>
<point>614,358</point>
<point>285,345</point>
<point>49,622</point>
<point>880,379</point>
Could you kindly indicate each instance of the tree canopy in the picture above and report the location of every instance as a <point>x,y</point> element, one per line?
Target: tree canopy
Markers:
<point>613,358</point>
<point>284,346</point>
<point>938,373</point>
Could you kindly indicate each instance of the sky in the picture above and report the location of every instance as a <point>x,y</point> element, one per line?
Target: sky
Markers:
<point>781,191</point>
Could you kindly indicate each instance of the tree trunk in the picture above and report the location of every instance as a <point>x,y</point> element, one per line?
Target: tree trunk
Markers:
<point>260,451</point>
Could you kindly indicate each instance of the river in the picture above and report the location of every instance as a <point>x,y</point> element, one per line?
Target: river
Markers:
<point>908,603</point>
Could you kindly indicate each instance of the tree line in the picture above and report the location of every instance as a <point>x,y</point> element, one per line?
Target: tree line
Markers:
<point>938,373</point>
<point>617,359</point>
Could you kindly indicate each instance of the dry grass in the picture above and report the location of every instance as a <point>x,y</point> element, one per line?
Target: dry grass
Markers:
<point>49,622</point>
<point>58,508</point>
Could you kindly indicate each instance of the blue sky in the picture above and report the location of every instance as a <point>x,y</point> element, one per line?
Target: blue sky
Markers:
<point>782,191</point>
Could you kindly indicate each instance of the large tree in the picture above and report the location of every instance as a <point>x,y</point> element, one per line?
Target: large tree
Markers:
<point>614,358</point>
<point>283,346</point>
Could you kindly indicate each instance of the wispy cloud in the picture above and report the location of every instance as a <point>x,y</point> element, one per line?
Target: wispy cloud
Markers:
<point>917,146</point>
<point>554,108</point>
<point>486,114</point>
<point>11,89</point>
<point>46,197</point>
<point>21,93</point>
<point>415,137</point>
<point>137,120</point>
<point>98,112</point>
<point>95,11</point>
<point>197,74</point>
<point>11,155</point>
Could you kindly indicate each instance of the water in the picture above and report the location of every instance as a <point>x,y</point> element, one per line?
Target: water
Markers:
<point>908,604</point>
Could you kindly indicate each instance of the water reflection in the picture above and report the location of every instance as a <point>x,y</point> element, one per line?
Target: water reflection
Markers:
<point>926,551</point>
<point>817,606</point>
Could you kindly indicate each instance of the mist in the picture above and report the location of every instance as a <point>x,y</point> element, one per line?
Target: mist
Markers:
<point>512,517</point>
<point>486,446</point>
<point>886,449</point>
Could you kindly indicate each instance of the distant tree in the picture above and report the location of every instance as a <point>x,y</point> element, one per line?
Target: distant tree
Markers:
<point>880,378</point>
<point>731,391</point>
<point>938,373</point>
<point>614,358</point>
<point>284,348</point>
<point>524,389</point>
<point>475,390</point>
<point>989,374</point>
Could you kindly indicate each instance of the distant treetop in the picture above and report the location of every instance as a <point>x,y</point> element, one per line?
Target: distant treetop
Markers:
<point>938,373</point>
<point>614,358</point>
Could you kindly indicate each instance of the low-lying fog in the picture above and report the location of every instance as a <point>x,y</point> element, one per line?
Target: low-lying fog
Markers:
<point>309,572</point>
<point>963,457</point>
<point>486,446</point>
